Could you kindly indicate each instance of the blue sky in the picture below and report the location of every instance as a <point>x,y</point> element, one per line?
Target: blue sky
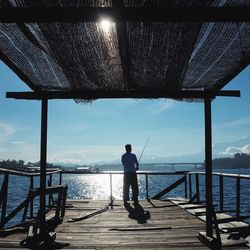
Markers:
<point>88,133</point>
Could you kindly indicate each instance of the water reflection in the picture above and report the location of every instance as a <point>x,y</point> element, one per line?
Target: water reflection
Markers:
<point>91,186</point>
<point>94,186</point>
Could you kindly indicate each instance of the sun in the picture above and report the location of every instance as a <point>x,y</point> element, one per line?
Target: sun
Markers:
<point>105,25</point>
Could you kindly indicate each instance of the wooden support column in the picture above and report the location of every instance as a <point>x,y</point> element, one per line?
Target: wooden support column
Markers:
<point>111,191</point>
<point>4,198</point>
<point>221,193</point>
<point>43,165</point>
<point>197,182</point>
<point>147,197</point>
<point>208,165</point>
<point>186,185</point>
<point>31,202</point>
<point>238,196</point>
<point>190,186</point>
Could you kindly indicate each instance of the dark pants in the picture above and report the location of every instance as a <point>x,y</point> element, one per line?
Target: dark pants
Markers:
<point>130,179</point>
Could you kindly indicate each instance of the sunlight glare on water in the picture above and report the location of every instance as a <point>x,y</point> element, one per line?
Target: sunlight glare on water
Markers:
<point>94,186</point>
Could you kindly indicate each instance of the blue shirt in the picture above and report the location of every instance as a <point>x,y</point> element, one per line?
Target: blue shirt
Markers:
<point>129,162</point>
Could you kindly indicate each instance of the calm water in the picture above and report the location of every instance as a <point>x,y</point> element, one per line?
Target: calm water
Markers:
<point>98,187</point>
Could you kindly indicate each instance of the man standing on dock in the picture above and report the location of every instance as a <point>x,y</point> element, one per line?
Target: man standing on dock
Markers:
<point>131,165</point>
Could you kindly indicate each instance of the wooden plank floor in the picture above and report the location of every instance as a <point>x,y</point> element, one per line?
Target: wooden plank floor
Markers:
<point>155,225</point>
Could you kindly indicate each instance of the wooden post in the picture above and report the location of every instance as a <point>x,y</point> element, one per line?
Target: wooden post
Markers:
<point>186,185</point>
<point>238,196</point>
<point>111,192</point>
<point>60,178</point>
<point>4,197</point>
<point>43,166</point>
<point>65,189</point>
<point>59,203</point>
<point>197,187</point>
<point>208,165</point>
<point>31,202</point>
<point>190,186</point>
<point>50,195</point>
<point>147,187</point>
<point>221,193</point>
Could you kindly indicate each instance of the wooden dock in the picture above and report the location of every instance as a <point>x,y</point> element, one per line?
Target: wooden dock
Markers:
<point>151,225</point>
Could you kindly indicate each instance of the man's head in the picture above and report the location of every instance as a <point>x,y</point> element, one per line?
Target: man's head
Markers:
<point>128,148</point>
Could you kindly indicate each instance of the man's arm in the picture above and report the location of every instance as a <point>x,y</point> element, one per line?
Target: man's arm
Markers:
<point>136,163</point>
<point>122,160</point>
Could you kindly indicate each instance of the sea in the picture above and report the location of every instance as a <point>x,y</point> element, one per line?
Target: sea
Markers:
<point>97,186</point>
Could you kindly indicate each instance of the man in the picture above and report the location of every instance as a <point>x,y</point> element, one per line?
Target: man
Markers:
<point>130,164</point>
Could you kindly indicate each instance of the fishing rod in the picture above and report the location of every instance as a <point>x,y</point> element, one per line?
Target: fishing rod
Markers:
<point>143,150</point>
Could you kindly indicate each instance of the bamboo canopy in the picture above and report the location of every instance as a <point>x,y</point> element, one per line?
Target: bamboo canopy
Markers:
<point>86,49</point>
<point>148,48</point>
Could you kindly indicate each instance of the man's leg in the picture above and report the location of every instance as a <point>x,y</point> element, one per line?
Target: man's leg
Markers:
<point>125,187</point>
<point>134,185</point>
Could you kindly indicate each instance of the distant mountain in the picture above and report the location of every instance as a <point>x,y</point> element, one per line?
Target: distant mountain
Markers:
<point>220,150</point>
<point>240,160</point>
<point>224,151</point>
<point>66,166</point>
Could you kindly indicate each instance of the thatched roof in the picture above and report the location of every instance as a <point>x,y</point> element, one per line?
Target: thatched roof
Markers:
<point>155,55</point>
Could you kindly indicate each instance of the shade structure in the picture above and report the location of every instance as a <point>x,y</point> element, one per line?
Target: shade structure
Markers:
<point>128,54</point>
<point>146,48</point>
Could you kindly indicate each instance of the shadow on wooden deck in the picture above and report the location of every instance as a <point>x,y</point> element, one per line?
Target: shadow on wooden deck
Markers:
<point>149,225</point>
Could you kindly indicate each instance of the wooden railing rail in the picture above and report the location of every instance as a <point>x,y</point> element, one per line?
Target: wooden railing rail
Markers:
<point>242,176</point>
<point>4,196</point>
<point>60,210</point>
<point>28,174</point>
<point>28,203</point>
<point>191,190</point>
<point>145,173</point>
<point>222,176</point>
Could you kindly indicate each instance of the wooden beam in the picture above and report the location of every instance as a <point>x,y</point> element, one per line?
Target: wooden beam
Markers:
<point>128,14</point>
<point>169,188</point>
<point>104,94</point>
<point>3,199</point>
<point>122,37</point>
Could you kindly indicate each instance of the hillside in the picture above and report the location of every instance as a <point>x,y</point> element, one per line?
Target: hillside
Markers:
<point>238,161</point>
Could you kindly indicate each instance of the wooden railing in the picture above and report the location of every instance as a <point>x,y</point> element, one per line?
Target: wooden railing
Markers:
<point>28,203</point>
<point>191,187</point>
<point>147,174</point>
<point>194,190</point>
<point>190,181</point>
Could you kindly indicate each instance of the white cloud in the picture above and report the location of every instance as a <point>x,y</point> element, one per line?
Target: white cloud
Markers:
<point>85,155</point>
<point>17,142</point>
<point>236,123</point>
<point>230,151</point>
<point>156,107</point>
<point>246,149</point>
<point>24,151</point>
<point>163,106</point>
<point>7,129</point>
<point>240,122</point>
